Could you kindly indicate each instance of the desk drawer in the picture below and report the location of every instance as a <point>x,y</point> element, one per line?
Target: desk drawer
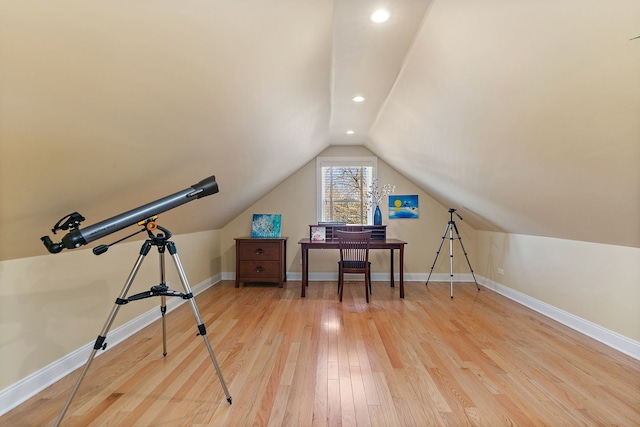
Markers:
<point>260,271</point>
<point>259,251</point>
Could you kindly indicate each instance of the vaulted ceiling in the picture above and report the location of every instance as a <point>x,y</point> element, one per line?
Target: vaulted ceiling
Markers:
<point>524,115</point>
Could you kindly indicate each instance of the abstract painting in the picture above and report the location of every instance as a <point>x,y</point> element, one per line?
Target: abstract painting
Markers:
<point>266,225</point>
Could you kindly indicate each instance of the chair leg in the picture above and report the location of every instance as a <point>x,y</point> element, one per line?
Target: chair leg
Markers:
<point>367,285</point>
<point>341,285</point>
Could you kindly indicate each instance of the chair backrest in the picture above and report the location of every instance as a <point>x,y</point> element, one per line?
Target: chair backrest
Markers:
<point>354,246</point>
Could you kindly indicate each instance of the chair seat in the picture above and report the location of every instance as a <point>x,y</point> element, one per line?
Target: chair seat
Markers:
<point>348,264</point>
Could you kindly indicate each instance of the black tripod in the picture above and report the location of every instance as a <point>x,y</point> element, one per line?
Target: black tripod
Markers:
<point>451,225</point>
<point>161,240</point>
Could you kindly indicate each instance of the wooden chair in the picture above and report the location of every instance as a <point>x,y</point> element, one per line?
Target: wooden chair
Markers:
<point>354,258</point>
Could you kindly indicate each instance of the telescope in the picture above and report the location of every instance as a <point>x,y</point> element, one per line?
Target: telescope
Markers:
<point>78,237</point>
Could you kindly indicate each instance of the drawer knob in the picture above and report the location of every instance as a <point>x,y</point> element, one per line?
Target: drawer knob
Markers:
<point>259,269</point>
<point>259,251</point>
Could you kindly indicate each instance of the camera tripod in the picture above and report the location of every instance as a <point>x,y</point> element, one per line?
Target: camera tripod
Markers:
<point>451,225</point>
<point>161,240</point>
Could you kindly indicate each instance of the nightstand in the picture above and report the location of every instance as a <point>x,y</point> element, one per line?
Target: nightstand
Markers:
<point>261,260</point>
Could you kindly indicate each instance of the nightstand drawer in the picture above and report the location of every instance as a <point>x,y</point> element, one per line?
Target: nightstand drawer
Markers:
<point>258,270</point>
<point>259,251</point>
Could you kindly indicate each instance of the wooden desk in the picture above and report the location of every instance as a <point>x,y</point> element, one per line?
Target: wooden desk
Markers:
<point>389,244</point>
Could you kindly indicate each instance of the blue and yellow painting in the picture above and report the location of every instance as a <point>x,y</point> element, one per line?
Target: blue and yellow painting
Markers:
<point>403,206</point>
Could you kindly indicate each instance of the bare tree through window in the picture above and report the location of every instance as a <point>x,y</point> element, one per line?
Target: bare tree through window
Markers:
<point>344,193</point>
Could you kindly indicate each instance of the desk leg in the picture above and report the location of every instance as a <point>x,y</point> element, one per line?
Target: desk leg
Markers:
<point>305,270</point>
<point>392,275</point>
<point>402,271</point>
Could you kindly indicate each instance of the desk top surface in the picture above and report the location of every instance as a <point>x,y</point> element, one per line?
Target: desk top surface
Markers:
<point>372,243</point>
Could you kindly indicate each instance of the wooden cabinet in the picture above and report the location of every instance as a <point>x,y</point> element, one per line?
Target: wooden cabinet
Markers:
<point>261,260</point>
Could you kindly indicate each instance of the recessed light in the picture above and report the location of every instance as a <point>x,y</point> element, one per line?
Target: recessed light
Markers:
<point>358,98</point>
<point>350,132</point>
<point>380,15</point>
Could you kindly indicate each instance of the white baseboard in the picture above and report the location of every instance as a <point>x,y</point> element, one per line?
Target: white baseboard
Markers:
<point>228,275</point>
<point>19,392</point>
<point>610,338</point>
<point>380,277</point>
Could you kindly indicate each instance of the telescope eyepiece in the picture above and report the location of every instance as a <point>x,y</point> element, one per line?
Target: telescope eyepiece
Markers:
<point>54,248</point>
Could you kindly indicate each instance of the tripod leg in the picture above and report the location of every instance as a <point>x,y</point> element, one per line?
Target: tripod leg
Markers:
<point>438,252</point>
<point>163,311</point>
<point>451,257</point>
<point>465,255</point>
<point>201,328</point>
<point>163,302</point>
<point>100,341</point>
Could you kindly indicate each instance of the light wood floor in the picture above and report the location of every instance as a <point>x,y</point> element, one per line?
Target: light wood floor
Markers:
<point>479,359</point>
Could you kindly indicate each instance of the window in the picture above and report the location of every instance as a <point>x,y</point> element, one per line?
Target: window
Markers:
<point>342,189</point>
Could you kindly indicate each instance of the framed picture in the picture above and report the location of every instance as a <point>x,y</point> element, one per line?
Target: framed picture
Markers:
<point>318,232</point>
<point>266,225</point>
<point>403,206</point>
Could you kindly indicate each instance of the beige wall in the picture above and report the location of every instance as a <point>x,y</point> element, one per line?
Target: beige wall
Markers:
<point>599,283</point>
<point>295,199</point>
<point>51,305</point>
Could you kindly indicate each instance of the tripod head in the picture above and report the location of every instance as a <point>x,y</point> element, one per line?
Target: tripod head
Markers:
<point>453,211</point>
<point>149,225</point>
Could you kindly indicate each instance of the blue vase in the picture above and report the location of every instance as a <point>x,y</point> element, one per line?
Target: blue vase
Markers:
<point>377,216</point>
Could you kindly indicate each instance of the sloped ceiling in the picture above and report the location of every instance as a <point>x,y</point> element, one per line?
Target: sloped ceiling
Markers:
<point>525,116</point>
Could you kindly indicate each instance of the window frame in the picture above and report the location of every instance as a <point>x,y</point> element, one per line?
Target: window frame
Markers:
<point>344,161</point>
